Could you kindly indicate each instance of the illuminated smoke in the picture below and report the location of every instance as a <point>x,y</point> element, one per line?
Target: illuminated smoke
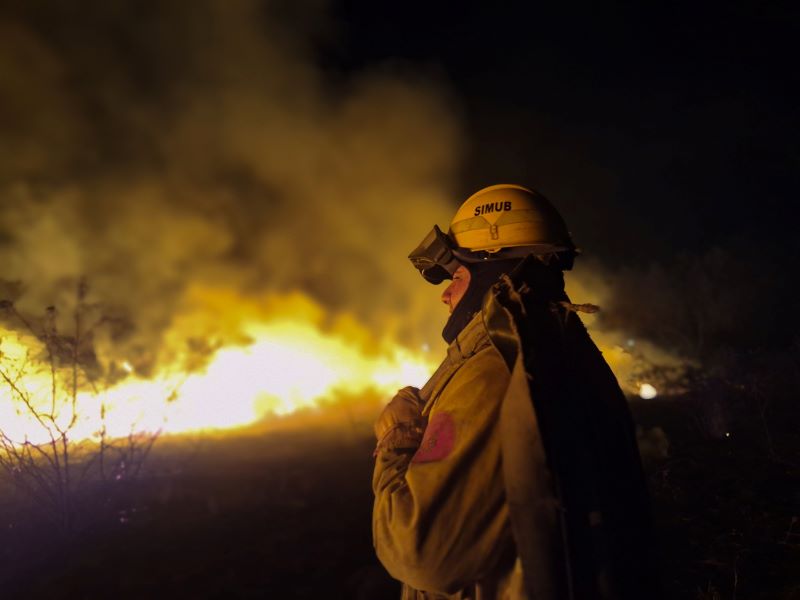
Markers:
<point>198,169</point>
<point>593,282</point>
<point>157,150</point>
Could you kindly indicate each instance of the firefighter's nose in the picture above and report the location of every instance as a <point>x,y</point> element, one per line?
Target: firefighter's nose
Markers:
<point>446,294</point>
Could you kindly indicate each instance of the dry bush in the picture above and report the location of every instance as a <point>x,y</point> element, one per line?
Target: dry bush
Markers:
<point>52,473</point>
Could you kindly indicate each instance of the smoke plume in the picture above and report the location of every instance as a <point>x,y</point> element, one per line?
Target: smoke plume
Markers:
<point>196,167</point>
<point>171,154</point>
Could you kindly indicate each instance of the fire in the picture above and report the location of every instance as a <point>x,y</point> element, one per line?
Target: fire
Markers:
<point>264,357</point>
<point>647,391</point>
<point>277,366</point>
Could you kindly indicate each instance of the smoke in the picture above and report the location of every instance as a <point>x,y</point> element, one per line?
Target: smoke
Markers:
<point>631,357</point>
<point>196,166</point>
<point>173,152</point>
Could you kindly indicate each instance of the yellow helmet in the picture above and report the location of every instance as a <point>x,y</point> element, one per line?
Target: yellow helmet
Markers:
<point>499,222</point>
<point>509,216</point>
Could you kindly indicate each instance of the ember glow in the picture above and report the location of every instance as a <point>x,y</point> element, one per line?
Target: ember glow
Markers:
<point>647,391</point>
<point>285,365</point>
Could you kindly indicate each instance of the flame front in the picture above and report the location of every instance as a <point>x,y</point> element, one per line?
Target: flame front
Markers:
<point>263,357</point>
<point>286,364</point>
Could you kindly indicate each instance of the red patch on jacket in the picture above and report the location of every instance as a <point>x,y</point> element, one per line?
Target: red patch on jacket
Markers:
<point>439,439</point>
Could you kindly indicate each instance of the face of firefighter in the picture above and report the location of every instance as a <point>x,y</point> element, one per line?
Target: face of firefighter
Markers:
<point>457,288</point>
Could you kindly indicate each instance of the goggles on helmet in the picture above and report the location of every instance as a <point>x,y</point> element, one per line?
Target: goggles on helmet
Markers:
<point>434,257</point>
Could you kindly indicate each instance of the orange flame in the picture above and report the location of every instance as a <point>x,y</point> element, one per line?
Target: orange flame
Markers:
<point>280,364</point>
<point>273,356</point>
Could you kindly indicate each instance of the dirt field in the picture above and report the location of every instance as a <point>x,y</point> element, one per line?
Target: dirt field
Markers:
<point>286,514</point>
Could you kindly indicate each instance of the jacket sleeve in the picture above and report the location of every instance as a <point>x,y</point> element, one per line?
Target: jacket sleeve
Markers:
<point>440,520</point>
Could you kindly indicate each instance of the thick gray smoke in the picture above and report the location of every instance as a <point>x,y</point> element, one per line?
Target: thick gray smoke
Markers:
<point>147,147</point>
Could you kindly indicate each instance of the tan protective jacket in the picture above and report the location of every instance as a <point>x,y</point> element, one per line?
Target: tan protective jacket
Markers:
<point>527,484</point>
<point>440,520</point>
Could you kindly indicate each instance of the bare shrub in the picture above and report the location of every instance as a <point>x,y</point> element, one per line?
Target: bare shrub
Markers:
<point>59,472</point>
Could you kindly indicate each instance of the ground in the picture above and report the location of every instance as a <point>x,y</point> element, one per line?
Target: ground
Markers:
<point>285,513</point>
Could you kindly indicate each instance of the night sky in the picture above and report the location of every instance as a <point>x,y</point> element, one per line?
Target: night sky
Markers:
<point>671,125</point>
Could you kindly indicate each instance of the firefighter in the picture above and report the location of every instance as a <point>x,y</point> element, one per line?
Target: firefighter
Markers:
<point>513,473</point>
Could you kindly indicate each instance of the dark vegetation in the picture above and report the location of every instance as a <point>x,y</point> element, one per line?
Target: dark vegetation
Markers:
<point>726,505</point>
<point>281,515</point>
<point>286,514</point>
<point>726,498</point>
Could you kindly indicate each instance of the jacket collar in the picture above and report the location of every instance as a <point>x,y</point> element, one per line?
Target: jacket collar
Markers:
<point>472,338</point>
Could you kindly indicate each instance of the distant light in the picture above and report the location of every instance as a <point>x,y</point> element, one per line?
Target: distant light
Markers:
<point>631,342</point>
<point>727,434</point>
<point>127,367</point>
<point>647,391</point>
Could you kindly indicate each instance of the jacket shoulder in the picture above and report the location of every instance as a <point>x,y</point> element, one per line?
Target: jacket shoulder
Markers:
<point>482,378</point>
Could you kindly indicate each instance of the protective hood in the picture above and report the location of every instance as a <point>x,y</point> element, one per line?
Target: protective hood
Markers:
<point>483,276</point>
